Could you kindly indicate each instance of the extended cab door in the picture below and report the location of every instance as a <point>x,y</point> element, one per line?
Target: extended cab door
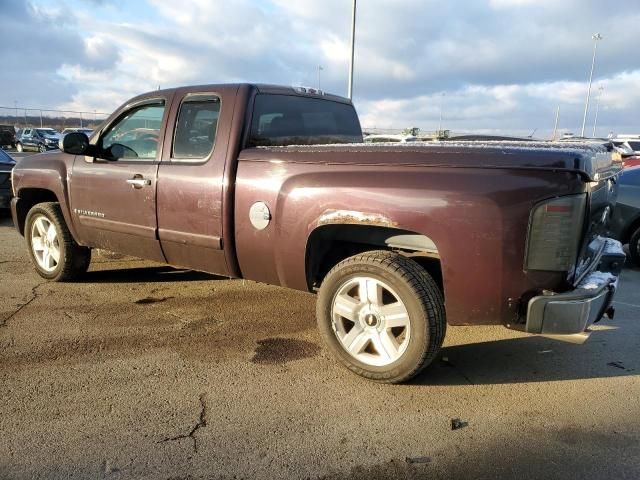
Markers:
<point>113,202</point>
<point>190,179</point>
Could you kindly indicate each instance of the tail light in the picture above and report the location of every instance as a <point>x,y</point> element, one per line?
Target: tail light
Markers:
<point>555,229</point>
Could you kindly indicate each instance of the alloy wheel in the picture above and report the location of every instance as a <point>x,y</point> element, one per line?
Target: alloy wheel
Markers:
<point>45,243</point>
<point>370,321</point>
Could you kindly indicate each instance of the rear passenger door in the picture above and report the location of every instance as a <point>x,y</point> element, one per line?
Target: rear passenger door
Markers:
<point>190,181</point>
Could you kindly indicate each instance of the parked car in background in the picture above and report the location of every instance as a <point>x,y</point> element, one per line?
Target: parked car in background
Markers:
<point>632,142</point>
<point>625,223</point>
<point>86,131</point>
<point>7,136</point>
<point>629,147</point>
<point>6,165</point>
<point>633,161</point>
<point>38,139</point>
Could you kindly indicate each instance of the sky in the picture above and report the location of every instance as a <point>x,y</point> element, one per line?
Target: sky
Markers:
<point>495,66</point>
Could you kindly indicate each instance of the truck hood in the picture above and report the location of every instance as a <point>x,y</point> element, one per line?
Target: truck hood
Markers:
<point>593,161</point>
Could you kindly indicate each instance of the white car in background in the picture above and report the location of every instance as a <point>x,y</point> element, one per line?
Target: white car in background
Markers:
<point>399,138</point>
<point>628,142</point>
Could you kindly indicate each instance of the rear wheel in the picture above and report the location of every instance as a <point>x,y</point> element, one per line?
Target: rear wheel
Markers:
<point>53,251</point>
<point>382,315</point>
<point>634,247</point>
<point>19,147</point>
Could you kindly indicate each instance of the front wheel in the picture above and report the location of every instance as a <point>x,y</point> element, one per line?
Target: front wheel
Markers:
<point>53,251</point>
<point>42,149</point>
<point>634,247</point>
<point>382,315</point>
<point>19,147</point>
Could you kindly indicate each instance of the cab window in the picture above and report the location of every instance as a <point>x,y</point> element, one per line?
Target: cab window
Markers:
<point>135,135</point>
<point>196,128</point>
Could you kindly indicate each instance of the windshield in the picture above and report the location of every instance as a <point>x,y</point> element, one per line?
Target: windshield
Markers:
<point>46,132</point>
<point>635,146</point>
<point>292,120</point>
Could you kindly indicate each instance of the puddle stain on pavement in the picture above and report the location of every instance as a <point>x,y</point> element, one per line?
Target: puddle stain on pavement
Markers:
<point>274,351</point>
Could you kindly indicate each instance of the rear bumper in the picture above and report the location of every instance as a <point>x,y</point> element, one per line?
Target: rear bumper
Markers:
<point>572,312</point>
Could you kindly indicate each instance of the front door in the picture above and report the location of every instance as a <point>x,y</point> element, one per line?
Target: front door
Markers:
<point>113,202</point>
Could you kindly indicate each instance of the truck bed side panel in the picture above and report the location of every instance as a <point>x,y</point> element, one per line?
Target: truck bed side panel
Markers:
<point>478,219</point>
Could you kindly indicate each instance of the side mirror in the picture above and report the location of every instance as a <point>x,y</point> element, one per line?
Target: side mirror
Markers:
<point>75,143</point>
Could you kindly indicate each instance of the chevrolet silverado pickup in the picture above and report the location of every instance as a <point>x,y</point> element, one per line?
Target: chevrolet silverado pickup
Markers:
<point>274,184</point>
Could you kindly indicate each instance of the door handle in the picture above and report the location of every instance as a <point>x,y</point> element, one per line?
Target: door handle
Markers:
<point>138,182</point>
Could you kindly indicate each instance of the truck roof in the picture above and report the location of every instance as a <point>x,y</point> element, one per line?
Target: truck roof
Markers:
<point>259,87</point>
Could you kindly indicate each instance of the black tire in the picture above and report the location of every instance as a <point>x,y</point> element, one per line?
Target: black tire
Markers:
<point>19,147</point>
<point>634,248</point>
<point>414,287</point>
<point>42,149</point>
<point>74,259</point>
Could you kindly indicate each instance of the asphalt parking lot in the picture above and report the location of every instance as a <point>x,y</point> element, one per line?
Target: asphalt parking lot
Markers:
<point>143,371</point>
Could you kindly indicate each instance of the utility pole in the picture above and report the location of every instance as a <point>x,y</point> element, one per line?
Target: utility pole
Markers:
<point>319,70</point>
<point>41,119</point>
<point>555,125</point>
<point>353,41</point>
<point>595,120</point>
<point>15,104</point>
<point>596,37</point>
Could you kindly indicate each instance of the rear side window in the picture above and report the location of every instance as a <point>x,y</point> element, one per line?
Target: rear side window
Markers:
<point>292,120</point>
<point>196,128</point>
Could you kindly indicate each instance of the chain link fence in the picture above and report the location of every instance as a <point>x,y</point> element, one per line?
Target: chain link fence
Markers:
<point>21,117</point>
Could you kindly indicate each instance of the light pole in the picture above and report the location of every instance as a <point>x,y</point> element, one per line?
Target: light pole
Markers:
<point>596,37</point>
<point>595,120</point>
<point>555,125</point>
<point>353,42</point>
<point>319,70</point>
<point>440,121</point>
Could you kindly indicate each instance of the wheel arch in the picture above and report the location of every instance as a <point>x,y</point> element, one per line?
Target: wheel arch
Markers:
<point>27,199</point>
<point>329,244</point>
<point>630,229</point>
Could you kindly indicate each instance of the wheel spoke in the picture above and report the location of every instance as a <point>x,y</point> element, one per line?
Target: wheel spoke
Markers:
<point>54,252</point>
<point>353,334</point>
<point>359,343</point>
<point>381,347</point>
<point>370,291</point>
<point>37,244</point>
<point>46,259</point>
<point>51,233</point>
<point>395,315</point>
<point>390,344</point>
<point>41,227</point>
<point>346,307</point>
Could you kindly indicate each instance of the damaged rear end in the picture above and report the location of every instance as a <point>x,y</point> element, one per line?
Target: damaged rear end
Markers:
<point>569,234</point>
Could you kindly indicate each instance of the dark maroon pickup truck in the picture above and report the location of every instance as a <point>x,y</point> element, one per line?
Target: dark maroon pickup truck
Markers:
<point>274,184</point>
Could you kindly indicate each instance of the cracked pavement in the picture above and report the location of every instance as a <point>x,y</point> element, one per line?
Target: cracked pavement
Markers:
<point>144,371</point>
